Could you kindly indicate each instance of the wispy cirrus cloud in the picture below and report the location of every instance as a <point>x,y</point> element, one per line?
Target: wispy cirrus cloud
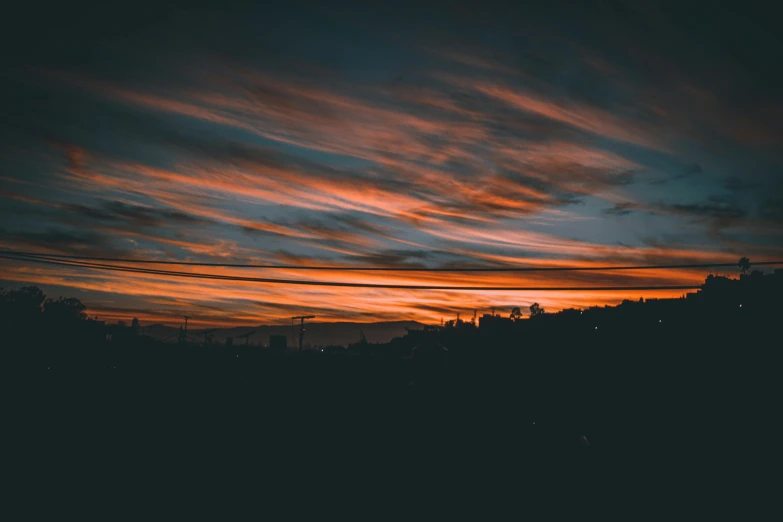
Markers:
<point>546,147</point>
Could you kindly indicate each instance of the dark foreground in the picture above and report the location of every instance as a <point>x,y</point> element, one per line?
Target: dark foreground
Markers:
<point>664,406</point>
<point>681,415</point>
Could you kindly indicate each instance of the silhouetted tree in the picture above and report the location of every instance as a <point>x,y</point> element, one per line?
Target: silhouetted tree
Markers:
<point>744,264</point>
<point>25,300</point>
<point>516,313</point>
<point>64,310</point>
<point>21,308</point>
<point>535,309</point>
<point>135,326</point>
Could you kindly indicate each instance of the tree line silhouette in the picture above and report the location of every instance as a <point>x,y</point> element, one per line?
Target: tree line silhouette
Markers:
<point>28,310</point>
<point>656,384</point>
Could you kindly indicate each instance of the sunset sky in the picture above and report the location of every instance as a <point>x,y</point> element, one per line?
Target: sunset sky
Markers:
<point>567,135</point>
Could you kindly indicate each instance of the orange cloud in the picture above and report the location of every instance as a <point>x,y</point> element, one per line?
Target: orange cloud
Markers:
<point>405,167</point>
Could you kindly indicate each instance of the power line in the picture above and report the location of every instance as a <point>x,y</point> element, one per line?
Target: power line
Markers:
<point>125,269</point>
<point>389,268</point>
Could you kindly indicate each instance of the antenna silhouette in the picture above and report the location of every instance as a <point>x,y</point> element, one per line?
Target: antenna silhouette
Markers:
<point>208,335</point>
<point>246,336</point>
<point>301,327</point>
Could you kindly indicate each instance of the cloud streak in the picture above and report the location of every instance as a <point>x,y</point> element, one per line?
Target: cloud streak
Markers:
<point>549,152</point>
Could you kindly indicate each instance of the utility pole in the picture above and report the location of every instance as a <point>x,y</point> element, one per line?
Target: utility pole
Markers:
<point>208,335</point>
<point>301,327</point>
<point>247,336</point>
<point>182,338</point>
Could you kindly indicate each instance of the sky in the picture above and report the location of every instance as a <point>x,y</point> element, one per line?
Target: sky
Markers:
<point>400,135</point>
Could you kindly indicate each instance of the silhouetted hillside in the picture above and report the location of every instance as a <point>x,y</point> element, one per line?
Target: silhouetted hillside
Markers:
<point>654,385</point>
<point>316,334</point>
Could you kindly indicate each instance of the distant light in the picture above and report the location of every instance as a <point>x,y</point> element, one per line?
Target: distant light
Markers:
<point>237,356</point>
<point>48,367</point>
<point>580,312</point>
<point>596,328</point>
<point>740,306</point>
<point>659,320</point>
